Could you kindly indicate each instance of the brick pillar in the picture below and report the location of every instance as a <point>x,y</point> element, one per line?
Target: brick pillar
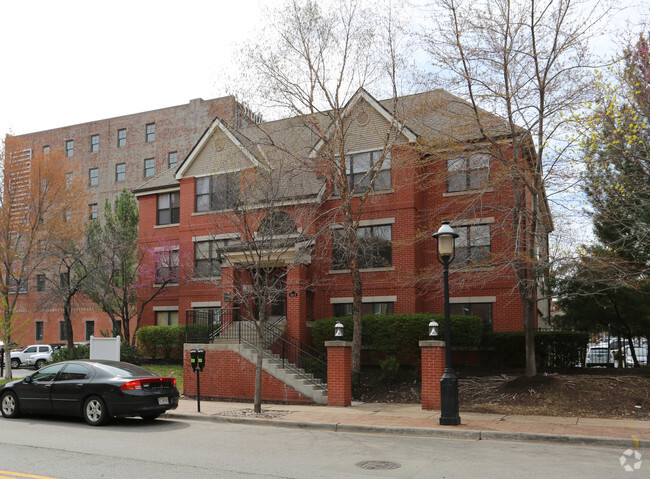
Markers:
<point>433,365</point>
<point>297,302</point>
<point>339,373</point>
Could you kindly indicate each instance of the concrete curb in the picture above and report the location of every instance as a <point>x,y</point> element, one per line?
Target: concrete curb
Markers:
<point>466,434</point>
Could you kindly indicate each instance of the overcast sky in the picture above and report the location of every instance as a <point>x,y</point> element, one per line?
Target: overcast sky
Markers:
<point>68,62</point>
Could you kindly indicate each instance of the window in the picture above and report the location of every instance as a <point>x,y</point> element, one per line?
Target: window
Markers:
<point>47,374</point>
<point>169,208</point>
<point>90,329</point>
<point>166,318</point>
<point>46,150</point>
<point>149,167</point>
<point>94,143</point>
<point>74,372</point>
<point>469,173</point>
<point>120,172</point>
<point>93,211</point>
<point>375,248</point>
<point>150,132</point>
<point>172,159</point>
<point>121,138</point>
<point>277,223</point>
<point>40,283</point>
<point>22,287</point>
<point>69,148</point>
<point>62,335</point>
<point>167,267</point>
<point>39,331</point>
<point>217,192</point>
<point>482,310</point>
<point>64,280</point>
<point>93,176</point>
<point>472,246</point>
<point>207,260</point>
<point>345,309</point>
<point>359,164</point>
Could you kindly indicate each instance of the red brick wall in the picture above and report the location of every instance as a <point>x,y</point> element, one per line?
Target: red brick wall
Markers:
<point>433,366</point>
<point>339,379</point>
<point>229,376</point>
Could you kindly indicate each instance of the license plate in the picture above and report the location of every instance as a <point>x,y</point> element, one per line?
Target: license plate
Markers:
<point>163,401</point>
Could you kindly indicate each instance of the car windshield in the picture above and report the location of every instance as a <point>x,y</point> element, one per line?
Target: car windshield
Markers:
<point>125,370</point>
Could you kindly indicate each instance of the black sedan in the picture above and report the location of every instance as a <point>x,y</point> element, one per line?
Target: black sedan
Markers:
<point>94,389</point>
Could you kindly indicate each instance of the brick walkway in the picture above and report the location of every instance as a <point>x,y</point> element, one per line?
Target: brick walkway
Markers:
<point>410,419</point>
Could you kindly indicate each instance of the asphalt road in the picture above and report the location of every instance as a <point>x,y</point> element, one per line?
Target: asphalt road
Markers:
<point>68,448</point>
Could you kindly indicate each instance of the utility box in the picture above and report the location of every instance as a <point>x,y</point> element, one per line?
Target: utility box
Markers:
<point>105,348</point>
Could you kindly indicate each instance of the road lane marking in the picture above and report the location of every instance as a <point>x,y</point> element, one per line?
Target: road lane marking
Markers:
<point>13,475</point>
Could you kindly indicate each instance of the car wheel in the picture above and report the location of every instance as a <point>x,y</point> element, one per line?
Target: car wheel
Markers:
<point>9,405</point>
<point>94,411</point>
<point>15,364</point>
<point>39,364</point>
<point>149,417</point>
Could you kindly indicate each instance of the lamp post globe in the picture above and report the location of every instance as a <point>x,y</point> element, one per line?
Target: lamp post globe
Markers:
<point>446,243</point>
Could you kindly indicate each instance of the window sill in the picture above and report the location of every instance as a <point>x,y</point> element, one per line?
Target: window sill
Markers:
<point>470,269</point>
<point>211,212</point>
<point>371,193</point>
<point>200,279</point>
<point>362,270</point>
<point>158,285</point>
<point>171,225</point>
<point>466,192</point>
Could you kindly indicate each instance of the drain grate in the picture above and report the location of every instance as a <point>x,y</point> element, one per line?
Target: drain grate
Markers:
<point>378,465</point>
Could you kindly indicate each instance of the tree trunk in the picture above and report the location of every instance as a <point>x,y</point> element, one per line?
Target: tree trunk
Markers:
<point>529,333</point>
<point>257,401</point>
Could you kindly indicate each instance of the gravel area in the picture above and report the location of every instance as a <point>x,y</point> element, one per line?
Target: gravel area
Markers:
<point>266,413</point>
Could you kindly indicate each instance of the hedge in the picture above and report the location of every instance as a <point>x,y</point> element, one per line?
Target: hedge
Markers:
<point>399,334</point>
<point>553,349</point>
<point>128,353</point>
<point>155,341</point>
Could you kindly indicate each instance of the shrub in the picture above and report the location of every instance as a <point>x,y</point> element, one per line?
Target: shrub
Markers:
<point>163,340</point>
<point>79,351</point>
<point>130,354</point>
<point>389,369</point>
<point>399,334</point>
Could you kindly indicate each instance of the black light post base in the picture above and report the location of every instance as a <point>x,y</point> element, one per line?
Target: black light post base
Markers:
<point>449,399</point>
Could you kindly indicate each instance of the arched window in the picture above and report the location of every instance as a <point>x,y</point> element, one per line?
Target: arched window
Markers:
<point>278,223</point>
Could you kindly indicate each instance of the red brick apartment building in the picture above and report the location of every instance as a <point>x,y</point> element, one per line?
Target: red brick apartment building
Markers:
<point>111,154</point>
<point>188,209</point>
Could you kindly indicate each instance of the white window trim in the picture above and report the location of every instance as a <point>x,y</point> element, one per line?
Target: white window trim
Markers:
<point>218,237</point>
<point>377,222</point>
<point>159,249</point>
<point>165,308</point>
<point>473,222</point>
<point>473,299</point>
<point>366,299</point>
<point>205,304</point>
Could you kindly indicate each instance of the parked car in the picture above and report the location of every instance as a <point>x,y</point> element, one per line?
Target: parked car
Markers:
<point>96,390</point>
<point>35,355</point>
<point>599,356</point>
<point>641,355</point>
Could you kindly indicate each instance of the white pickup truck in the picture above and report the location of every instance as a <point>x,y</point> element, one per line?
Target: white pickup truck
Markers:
<point>35,355</point>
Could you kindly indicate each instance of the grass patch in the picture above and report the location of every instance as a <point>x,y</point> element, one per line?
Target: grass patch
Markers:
<point>168,370</point>
<point>3,381</point>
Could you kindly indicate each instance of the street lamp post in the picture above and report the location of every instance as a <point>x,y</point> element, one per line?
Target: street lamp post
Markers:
<point>446,239</point>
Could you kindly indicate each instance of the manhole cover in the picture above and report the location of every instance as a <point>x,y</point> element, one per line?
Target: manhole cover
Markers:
<point>378,465</point>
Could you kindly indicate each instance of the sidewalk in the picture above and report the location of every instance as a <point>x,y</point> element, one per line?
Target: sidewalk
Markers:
<point>410,419</point>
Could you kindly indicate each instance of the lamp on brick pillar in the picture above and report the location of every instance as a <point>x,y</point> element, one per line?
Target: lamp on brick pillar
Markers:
<point>446,251</point>
<point>338,331</point>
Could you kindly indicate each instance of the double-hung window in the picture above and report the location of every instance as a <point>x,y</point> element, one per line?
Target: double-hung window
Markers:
<point>120,172</point>
<point>172,159</point>
<point>375,247</point>
<point>207,261</point>
<point>121,138</point>
<point>468,173</point>
<point>93,176</point>
<point>166,318</point>
<point>169,208</point>
<point>94,143</point>
<point>150,132</point>
<point>218,192</point>
<point>69,148</point>
<point>473,246</point>
<point>93,213</point>
<point>361,168</point>
<point>149,167</point>
<point>167,266</point>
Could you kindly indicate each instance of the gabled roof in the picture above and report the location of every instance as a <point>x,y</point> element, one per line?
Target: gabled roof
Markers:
<point>216,124</point>
<point>362,94</point>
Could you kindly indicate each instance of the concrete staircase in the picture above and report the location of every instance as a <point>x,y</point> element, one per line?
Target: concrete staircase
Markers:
<point>291,375</point>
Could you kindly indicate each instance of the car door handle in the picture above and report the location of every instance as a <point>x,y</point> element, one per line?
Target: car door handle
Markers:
<point>48,386</point>
<point>79,385</point>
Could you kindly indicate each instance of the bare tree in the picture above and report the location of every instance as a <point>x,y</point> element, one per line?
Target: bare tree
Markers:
<point>37,200</point>
<point>527,62</point>
<point>315,63</point>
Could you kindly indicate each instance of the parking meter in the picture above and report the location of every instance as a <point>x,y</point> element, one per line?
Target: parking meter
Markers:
<point>200,356</point>
<point>194,359</point>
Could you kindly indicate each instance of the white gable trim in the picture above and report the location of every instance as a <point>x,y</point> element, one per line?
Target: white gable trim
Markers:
<point>363,94</point>
<point>217,123</point>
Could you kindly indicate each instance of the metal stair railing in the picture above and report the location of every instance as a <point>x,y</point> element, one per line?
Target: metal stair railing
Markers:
<point>203,326</point>
<point>296,356</point>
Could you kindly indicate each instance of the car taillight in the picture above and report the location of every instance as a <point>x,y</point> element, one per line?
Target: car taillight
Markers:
<point>139,384</point>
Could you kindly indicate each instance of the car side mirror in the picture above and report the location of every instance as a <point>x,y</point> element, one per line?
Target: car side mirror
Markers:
<point>28,379</point>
